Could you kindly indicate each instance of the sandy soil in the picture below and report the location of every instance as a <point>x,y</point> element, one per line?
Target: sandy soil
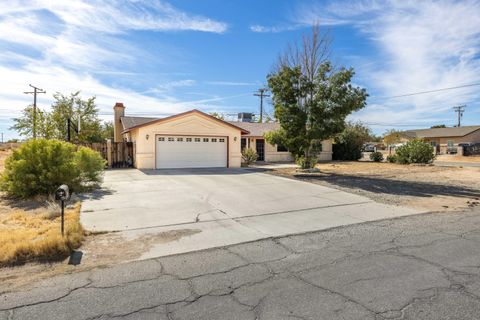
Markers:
<point>423,187</point>
<point>453,158</point>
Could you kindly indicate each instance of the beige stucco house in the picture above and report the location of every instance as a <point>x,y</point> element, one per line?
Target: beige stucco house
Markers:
<point>194,139</point>
<point>446,140</point>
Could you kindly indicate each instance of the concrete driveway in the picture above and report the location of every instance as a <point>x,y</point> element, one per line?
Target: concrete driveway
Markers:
<point>217,207</point>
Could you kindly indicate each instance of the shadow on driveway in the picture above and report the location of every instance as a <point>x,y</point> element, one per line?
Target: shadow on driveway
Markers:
<point>393,187</point>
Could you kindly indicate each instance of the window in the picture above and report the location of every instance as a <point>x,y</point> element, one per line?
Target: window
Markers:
<point>189,139</point>
<point>450,143</point>
<point>243,143</point>
<point>171,139</point>
<point>221,140</point>
<point>197,139</point>
<point>161,139</point>
<point>180,139</point>
<point>205,139</point>
<point>214,139</point>
<point>281,148</point>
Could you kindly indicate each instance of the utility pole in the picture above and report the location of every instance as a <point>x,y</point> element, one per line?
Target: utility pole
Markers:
<point>34,92</point>
<point>459,110</point>
<point>261,93</point>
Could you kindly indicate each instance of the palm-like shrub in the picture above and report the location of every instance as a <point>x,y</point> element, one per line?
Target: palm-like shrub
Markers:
<point>249,156</point>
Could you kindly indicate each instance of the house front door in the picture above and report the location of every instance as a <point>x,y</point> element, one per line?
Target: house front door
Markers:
<point>260,148</point>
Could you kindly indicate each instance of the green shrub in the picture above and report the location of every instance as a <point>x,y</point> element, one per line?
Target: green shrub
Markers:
<point>39,166</point>
<point>392,158</point>
<point>249,156</point>
<point>415,151</point>
<point>90,165</point>
<point>305,163</point>
<point>376,156</point>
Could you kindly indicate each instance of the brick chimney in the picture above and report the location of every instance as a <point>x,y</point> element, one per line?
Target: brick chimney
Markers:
<point>118,112</point>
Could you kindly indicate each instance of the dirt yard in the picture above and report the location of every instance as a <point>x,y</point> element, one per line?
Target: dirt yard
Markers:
<point>428,188</point>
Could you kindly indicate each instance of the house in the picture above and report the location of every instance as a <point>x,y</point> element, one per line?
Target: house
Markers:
<point>194,139</point>
<point>446,140</point>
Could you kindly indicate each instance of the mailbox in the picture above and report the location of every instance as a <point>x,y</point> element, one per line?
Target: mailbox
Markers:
<point>62,193</point>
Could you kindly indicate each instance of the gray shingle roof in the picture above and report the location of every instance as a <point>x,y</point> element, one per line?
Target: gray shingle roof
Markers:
<point>129,122</point>
<point>256,129</point>
<point>441,132</point>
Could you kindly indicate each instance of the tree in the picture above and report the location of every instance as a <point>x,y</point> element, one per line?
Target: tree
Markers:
<point>217,115</point>
<point>53,124</point>
<point>311,99</point>
<point>348,144</point>
<point>107,130</point>
<point>74,108</point>
<point>44,126</point>
<point>393,136</point>
<point>438,126</point>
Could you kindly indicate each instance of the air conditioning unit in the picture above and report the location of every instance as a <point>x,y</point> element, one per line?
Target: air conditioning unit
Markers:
<point>245,117</point>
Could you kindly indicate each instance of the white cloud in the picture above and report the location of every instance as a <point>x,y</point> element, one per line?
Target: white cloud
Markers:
<point>232,83</point>
<point>417,46</point>
<point>64,45</point>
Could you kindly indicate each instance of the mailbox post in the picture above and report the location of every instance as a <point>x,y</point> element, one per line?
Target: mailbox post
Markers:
<point>62,194</point>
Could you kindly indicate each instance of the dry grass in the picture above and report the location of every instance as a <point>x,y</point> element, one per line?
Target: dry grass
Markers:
<point>26,236</point>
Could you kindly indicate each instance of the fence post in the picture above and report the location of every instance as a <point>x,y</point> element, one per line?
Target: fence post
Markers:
<point>109,153</point>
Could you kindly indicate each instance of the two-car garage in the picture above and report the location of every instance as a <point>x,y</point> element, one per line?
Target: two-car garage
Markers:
<point>191,151</point>
<point>191,139</point>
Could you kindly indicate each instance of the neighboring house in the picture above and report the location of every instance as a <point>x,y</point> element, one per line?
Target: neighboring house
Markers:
<point>446,140</point>
<point>194,139</point>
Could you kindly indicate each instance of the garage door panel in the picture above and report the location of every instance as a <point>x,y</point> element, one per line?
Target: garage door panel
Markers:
<point>178,152</point>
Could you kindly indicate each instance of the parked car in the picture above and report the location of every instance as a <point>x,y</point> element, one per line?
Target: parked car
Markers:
<point>368,148</point>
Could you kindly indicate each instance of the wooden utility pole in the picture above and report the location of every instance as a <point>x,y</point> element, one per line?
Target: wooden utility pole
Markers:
<point>261,93</point>
<point>459,110</point>
<point>34,92</point>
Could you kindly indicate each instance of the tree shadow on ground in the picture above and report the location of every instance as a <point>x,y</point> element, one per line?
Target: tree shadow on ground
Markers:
<point>393,187</point>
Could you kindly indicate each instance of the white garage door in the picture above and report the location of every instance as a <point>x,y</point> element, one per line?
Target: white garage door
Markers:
<point>191,152</point>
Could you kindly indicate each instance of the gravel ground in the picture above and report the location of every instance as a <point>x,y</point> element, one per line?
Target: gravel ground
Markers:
<point>418,267</point>
<point>423,187</point>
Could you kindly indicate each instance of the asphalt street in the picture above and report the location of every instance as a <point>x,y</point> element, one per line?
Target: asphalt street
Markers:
<point>417,267</point>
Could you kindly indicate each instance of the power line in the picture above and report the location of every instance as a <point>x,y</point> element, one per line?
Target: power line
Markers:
<point>35,91</point>
<point>430,91</point>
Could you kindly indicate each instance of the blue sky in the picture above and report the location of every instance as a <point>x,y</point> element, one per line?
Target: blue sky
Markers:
<point>164,57</point>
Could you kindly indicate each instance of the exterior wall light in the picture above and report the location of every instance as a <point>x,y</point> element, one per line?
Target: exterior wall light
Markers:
<point>234,138</point>
<point>147,136</point>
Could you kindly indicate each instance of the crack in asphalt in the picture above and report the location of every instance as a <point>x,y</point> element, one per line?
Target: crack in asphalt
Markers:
<point>352,249</point>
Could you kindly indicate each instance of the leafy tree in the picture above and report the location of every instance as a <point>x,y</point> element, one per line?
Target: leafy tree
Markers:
<point>311,100</point>
<point>107,130</point>
<point>44,125</point>
<point>217,115</point>
<point>438,126</point>
<point>53,125</point>
<point>76,109</point>
<point>348,143</point>
<point>393,136</point>
<point>415,151</point>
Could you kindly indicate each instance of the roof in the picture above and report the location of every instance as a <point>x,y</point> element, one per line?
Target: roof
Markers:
<point>129,122</point>
<point>256,129</point>
<point>136,122</point>
<point>441,132</point>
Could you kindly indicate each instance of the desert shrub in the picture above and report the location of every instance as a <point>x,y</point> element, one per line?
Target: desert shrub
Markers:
<point>392,158</point>
<point>249,156</point>
<point>39,166</point>
<point>305,163</point>
<point>415,151</point>
<point>349,143</point>
<point>376,156</point>
<point>90,165</point>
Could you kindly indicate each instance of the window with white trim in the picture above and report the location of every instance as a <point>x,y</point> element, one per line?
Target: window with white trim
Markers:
<point>180,139</point>
<point>171,139</point>
<point>161,139</point>
<point>205,139</point>
<point>214,139</point>
<point>221,140</point>
<point>197,139</point>
<point>189,139</point>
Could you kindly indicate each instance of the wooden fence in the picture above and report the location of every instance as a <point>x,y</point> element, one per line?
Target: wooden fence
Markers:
<point>117,154</point>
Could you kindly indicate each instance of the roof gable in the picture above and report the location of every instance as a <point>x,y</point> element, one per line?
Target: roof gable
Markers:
<point>141,122</point>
